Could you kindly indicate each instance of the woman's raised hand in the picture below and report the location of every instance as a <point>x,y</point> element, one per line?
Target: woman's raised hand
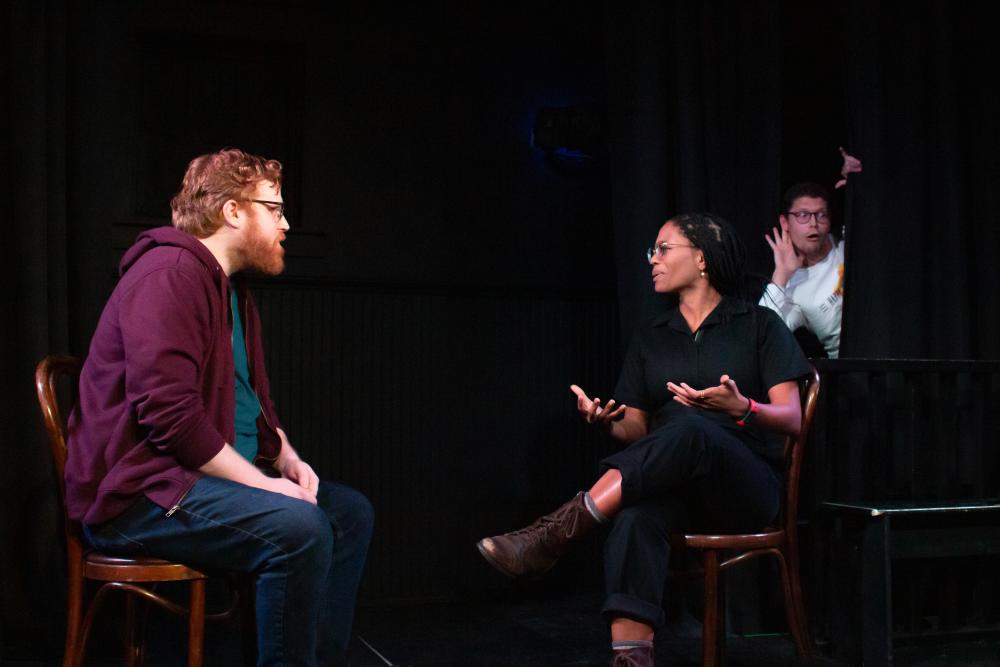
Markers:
<point>592,410</point>
<point>726,397</point>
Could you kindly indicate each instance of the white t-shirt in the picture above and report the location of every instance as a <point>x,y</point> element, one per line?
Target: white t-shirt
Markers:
<point>814,299</point>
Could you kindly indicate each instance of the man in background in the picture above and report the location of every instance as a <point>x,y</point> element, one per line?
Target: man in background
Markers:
<point>807,285</point>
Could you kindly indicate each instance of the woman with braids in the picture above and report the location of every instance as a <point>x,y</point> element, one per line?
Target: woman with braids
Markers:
<point>707,390</point>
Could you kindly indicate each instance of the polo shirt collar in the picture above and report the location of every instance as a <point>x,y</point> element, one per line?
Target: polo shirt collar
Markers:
<point>728,306</point>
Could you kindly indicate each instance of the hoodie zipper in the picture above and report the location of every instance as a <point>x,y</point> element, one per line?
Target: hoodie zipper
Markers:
<point>177,505</point>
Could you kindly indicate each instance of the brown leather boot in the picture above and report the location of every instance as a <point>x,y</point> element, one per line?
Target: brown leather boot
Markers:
<point>535,549</point>
<point>640,656</point>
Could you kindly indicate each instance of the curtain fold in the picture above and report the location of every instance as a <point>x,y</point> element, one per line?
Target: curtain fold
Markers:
<point>699,119</point>
<point>33,182</point>
<point>925,113</point>
<point>695,125</point>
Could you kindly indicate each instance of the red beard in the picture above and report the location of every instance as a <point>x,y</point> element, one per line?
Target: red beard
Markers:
<point>261,256</point>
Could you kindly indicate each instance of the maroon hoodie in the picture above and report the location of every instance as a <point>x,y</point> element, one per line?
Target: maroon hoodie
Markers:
<point>157,389</point>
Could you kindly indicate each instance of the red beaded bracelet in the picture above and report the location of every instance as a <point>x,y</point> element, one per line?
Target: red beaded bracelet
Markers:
<point>752,409</point>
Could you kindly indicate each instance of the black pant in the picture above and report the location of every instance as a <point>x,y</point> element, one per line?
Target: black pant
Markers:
<point>689,473</point>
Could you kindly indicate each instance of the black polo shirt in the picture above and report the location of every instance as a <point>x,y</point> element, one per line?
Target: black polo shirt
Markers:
<point>748,342</point>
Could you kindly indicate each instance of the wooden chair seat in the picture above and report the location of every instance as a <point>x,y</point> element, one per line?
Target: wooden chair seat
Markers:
<point>102,567</point>
<point>761,540</point>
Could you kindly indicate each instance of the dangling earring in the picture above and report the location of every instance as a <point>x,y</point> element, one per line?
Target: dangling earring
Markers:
<point>701,273</point>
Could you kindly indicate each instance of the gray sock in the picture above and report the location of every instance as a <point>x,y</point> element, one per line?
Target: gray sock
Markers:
<point>626,644</point>
<point>592,508</point>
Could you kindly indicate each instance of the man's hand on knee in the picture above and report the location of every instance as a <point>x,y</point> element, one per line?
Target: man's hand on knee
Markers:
<point>302,474</point>
<point>287,487</point>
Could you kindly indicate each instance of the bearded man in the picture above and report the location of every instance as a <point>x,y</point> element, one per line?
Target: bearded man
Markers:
<point>175,447</point>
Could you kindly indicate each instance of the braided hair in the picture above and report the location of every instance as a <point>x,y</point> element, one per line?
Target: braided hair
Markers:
<point>723,250</point>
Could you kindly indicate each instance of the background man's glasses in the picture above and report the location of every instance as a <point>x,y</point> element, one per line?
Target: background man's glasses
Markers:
<point>802,217</point>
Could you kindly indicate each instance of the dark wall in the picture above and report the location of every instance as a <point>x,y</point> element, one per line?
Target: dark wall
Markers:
<point>814,97</point>
<point>405,130</point>
<point>719,108</point>
<point>446,281</point>
<point>923,250</point>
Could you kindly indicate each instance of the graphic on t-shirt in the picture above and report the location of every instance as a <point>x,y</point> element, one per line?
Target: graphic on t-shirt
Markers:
<point>839,289</point>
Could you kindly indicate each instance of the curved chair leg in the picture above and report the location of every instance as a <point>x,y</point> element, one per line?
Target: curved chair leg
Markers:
<point>141,618</point>
<point>806,654</point>
<point>88,619</point>
<point>720,629</point>
<point>196,624</point>
<point>73,650</point>
<point>132,641</point>
<point>795,612</point>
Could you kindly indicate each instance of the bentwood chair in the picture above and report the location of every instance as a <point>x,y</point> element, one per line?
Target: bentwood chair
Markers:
<point>136,577</point>
<point>722,552</point>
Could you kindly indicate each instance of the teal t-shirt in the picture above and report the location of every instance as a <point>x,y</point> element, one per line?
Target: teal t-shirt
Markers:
<point>247,404</point>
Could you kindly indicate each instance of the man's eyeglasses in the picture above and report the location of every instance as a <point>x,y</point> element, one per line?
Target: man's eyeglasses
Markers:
<point>276,208</point>
<point>802,217</point>
<point>660,249</point>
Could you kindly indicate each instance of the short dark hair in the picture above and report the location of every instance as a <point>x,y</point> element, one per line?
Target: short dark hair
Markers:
<point>804,189</point>
<point>724,252</point>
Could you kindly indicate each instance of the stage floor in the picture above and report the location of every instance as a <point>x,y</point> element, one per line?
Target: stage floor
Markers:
<point>522,629</point>
<point>536,632</point>
<point>567,630</point>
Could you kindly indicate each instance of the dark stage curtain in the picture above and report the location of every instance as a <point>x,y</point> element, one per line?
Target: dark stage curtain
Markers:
<point>925,113</point>
<point>694,125</point>
<point>37,313</point>
<point>718,108</point>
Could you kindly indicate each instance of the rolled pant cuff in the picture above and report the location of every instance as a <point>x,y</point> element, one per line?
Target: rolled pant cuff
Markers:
<point>629,606</point>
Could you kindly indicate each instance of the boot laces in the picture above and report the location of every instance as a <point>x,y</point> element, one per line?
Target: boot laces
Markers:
<point>542,523</point>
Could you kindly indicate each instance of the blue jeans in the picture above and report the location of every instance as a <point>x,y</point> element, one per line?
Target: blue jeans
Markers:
<point>307,560</point>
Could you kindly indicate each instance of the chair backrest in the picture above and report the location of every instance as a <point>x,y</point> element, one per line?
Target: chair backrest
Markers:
<point>795,448</point>
<point>48,374</point>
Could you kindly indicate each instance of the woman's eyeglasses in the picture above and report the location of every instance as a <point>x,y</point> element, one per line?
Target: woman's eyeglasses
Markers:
<point>660,249</point>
